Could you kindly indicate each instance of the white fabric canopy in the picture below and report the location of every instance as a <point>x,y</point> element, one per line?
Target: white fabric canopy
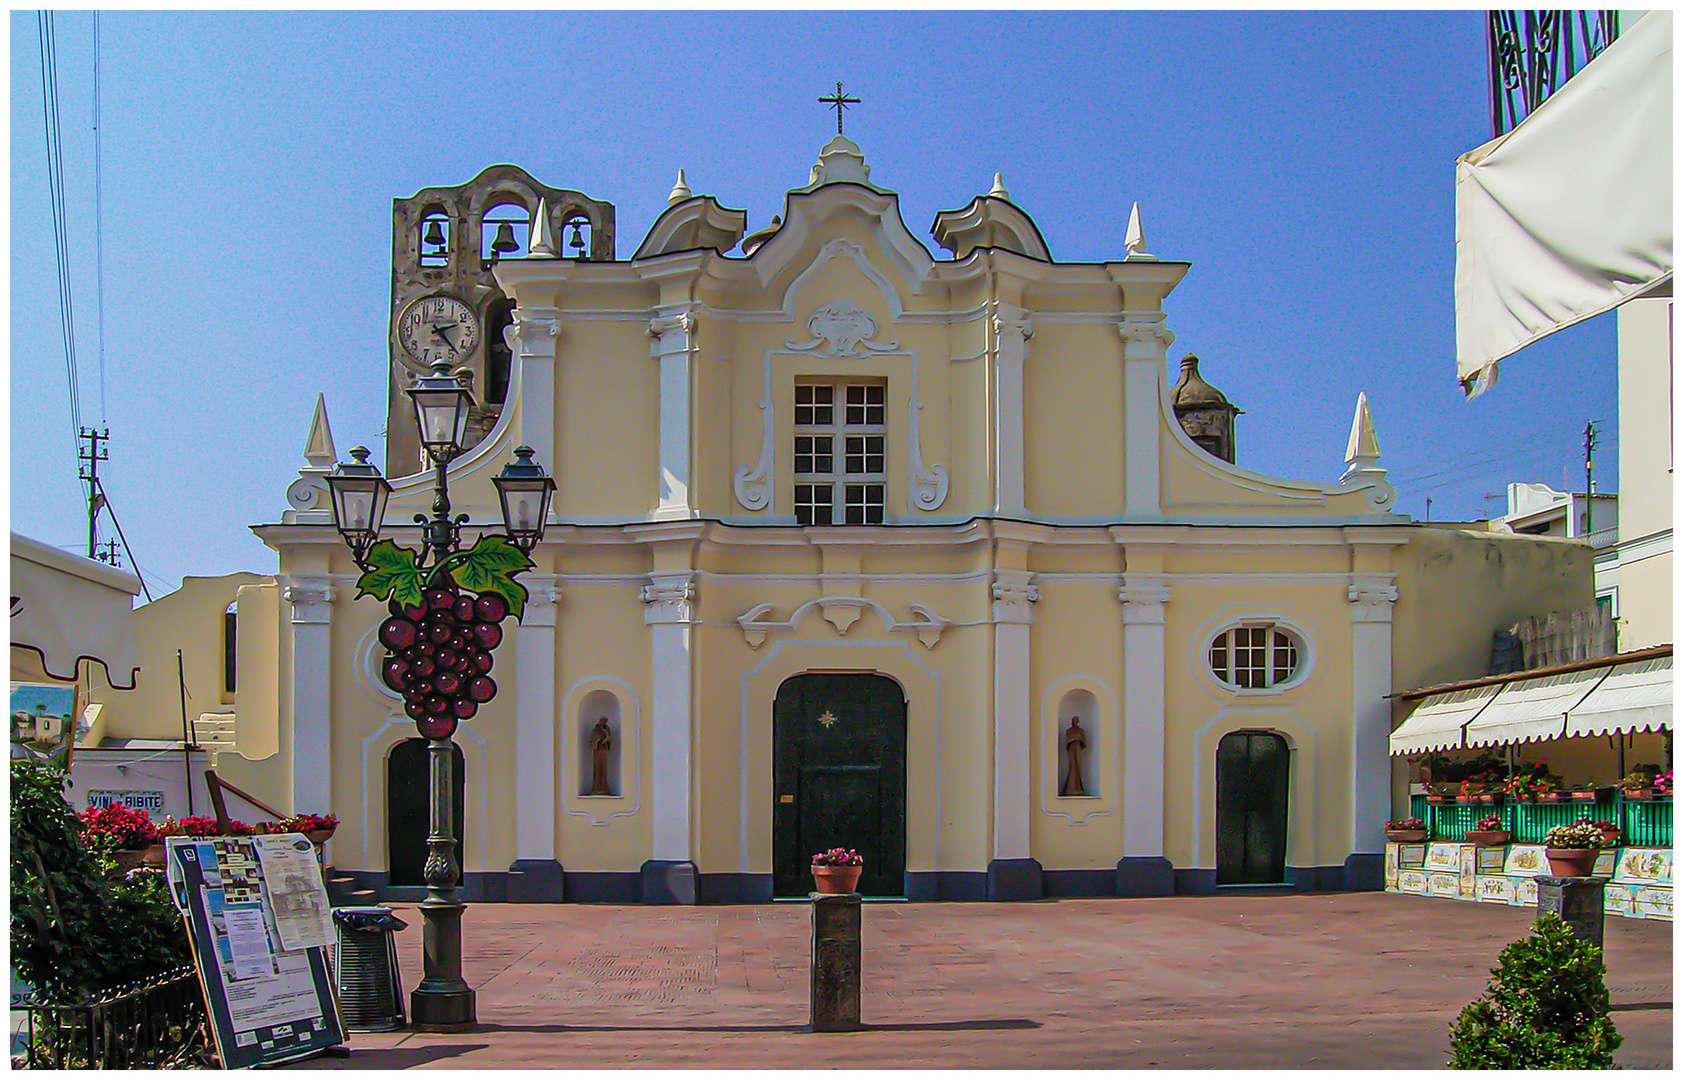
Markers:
<point>1437,723</point>
<point>1569,214</point>
<point>1634,697</point>
<point>68,608</point>
<point>1530,709</point>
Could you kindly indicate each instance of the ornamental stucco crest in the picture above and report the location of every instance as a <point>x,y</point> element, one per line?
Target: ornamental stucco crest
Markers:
<point>841,328</point>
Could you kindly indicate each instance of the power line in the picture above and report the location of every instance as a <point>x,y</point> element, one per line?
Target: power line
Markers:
<point>99,224</point>
<point>112,510</point>
<point>55,188</point>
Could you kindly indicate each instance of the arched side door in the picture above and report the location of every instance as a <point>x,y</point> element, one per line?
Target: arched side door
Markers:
<point>408,814</point>
<point>839,779</point>
<point>1253,776</point>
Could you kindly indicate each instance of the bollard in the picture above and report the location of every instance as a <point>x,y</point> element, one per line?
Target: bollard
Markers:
<point>1578,901</point>
<point>835,962</point>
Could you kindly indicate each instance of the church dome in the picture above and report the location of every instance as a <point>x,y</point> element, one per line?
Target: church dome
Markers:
<point>1192,392</point>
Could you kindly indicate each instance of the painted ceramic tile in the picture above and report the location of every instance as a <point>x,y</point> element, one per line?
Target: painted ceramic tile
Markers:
<point>1491,859</point>
<point>1525,892</point>
<point>1411,881</point>
<point>1443,884</point>
<point>1654,903</point>
<point>1391,857</point>
<point>1605,862</point>
<point>1390,871</point>
<point>1411,854</point>
<point>1525,860</point>
<point>1643,865</point>
<point>1443,857</point>
<point>1496,889</point>
<point>1618,900</point>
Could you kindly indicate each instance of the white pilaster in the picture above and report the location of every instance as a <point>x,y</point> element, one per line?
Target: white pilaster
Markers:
<point>674,343</point>
<point>534,721</point>
<point>1371,597</point>
<point>1143,706</point>
<point>1012,328</point>
<point>312,693</point>
<point>1014,595</point>
<point>532,337</point>
<point>1145,345</point>
<point>670,606</point>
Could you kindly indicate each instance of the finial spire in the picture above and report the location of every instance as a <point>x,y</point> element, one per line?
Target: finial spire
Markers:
<point>1361,455</point>
<point>680,191</point>
<point>318,445</point>
<point>999,191</point>
<point>543,238</point>
<point>1136,237</point>
<point>840,101</point>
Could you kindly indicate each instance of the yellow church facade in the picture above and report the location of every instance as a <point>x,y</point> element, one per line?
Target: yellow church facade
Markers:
<point>859,544</point>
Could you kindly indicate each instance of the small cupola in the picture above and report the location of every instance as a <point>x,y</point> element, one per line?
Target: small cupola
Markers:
<point>1204,412</point>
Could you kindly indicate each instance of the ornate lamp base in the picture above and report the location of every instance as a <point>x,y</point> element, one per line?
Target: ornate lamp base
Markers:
<point>443,1001</point>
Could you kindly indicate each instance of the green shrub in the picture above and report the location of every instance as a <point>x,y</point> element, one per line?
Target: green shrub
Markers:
<point>1545,1008</point>
<point>73,932</point>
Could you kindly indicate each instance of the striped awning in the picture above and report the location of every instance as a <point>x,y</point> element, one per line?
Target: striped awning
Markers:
<point>1634,697</point>
<point>1437,723</point>
<point>1531,709</point>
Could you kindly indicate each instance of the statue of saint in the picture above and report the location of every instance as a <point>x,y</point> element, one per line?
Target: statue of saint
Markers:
<point>601,740</point>
<point>1075,741</point>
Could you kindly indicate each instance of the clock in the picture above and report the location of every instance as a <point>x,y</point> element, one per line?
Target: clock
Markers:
<point>438,327</point>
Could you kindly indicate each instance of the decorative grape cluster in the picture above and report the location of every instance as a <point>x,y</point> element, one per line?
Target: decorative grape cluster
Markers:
<point>440,654</point>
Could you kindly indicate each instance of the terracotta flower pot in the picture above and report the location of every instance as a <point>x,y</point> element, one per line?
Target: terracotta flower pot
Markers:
<point>156,856</point>
<point>1571,862</point>
<point>1548,796</point>
<point>1439,800</point>
<point>1405,836</point>
<point>836,880</point>
<point>1611,837</point>
<point>1639,794</point>
<point>1583,796</point>
<point>319,837</point>
<point>1488,837</point>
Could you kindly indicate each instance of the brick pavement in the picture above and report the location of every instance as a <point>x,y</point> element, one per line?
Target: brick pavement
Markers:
<point>1332,980</point>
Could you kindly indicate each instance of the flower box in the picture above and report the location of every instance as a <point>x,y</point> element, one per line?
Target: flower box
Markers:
<point>1639,794</point>
<point>1548,796</point>
<point>1405,836</point>
<point>1487,838</point>
<point>1439,800</point>
<point>1466,800</point>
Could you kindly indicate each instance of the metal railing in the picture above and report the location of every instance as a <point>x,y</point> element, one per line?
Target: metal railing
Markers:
<point>149,1024</point>
<point>1645,823</point>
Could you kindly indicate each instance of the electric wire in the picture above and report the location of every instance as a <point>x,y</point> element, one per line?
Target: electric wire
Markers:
<point>55,188</point>
<point>126,549</point>
<point>99,225</point>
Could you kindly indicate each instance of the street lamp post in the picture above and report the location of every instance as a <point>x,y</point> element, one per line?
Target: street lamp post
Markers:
<point>443,1001</point>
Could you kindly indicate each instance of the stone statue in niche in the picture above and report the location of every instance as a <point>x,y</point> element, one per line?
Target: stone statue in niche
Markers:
<point>601,741</point>
<point>1075,744</point>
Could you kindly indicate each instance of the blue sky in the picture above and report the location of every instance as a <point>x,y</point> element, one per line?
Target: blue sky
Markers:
<point>1303,163</point>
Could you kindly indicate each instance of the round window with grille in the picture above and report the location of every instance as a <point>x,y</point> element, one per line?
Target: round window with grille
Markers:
<point>1256,656</point>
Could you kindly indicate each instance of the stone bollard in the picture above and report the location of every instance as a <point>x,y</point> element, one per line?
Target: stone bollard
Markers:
<point>835,962</point>
<point>1579,901</point>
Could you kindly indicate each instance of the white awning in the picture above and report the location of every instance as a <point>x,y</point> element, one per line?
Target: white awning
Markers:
<point>1634,697</point>
<point>1569,214</point>
<point>1530,709</point>
<point>67,608</point>
<point>1437,723</point>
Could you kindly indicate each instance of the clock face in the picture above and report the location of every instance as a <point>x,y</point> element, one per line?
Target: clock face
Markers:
<point>436,327</point>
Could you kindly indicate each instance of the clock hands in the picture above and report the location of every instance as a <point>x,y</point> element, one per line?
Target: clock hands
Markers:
<point>438,331</point>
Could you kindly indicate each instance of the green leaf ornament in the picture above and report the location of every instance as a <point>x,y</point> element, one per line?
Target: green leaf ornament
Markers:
<point>392,574</point>
<point>489,566</point>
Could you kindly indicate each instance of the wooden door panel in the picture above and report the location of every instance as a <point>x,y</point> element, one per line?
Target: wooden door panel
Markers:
<point>1253,772</point>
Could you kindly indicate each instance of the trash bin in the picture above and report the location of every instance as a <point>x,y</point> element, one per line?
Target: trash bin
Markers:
<point>365,968</point>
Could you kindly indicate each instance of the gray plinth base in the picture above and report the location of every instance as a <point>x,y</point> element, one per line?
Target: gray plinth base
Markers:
<point>1578,901</point>
<point>535,881</point>
<point>1015,879</point>
<point>1364,872</point>
<point>1145,875</point>
<point>836,949</point>
<point>668,882</point>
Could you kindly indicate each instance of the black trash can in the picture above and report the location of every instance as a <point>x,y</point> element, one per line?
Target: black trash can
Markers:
<point>365,968</point>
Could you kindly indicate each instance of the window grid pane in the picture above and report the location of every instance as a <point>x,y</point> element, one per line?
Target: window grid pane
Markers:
<point>846,483</point>
<point>1254,657</point>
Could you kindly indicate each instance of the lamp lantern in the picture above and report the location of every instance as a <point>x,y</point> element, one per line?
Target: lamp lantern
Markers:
<point>359,500</point>
<point>441,411</point>
<point>525,490</point>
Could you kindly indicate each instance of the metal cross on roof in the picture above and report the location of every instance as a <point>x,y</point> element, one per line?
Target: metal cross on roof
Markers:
<point>840,102</point>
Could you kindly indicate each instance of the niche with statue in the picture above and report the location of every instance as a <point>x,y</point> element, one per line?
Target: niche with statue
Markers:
<point>1078,745</point>
<point>599,745</point>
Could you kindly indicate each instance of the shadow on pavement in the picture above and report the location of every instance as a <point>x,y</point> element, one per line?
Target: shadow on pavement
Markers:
<point>396,1057</point>
<point>1631,1006</point>
<point>937,1025</point>
<point>959,1025</point>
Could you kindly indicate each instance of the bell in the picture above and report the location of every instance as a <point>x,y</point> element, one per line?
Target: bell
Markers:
<point>505,242</point>
<point>576,242</point>
<point>435,235</point>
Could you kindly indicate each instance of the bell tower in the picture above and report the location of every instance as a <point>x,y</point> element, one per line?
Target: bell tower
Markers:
<point>445,300</point>
<point>1204,412</point>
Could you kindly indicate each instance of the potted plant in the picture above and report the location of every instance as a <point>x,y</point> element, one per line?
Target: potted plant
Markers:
<point>1610,831</point>
<point>1548,789</point>
<point>1469,791</point>
<point>124,832</point>
<point>1662,785</point>
<point>1441,792</point>
<point>317,828</point>
<point>1571,849</point>
<point>1407,831</point>
<point>1488,831</point>
<point>836,872</point>
<point>1584,792</point>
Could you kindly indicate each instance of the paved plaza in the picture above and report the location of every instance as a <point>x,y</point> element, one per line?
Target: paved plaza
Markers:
<point>1339,980</point>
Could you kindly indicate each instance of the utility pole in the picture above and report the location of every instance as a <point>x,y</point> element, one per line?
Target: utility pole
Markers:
<point>93,454</point>
<point>108,553</point>
<point>1589,477</point>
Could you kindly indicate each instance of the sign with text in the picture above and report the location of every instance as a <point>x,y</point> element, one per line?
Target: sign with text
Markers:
<point>268,1003</point>
<point>150,801</point>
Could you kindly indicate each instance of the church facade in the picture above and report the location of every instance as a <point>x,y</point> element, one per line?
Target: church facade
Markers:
<point>859,545</point>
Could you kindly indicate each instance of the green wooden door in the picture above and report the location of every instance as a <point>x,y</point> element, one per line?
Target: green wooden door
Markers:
<point>1253,770</point>
<point>408,815</point>
<point>839,779</point>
